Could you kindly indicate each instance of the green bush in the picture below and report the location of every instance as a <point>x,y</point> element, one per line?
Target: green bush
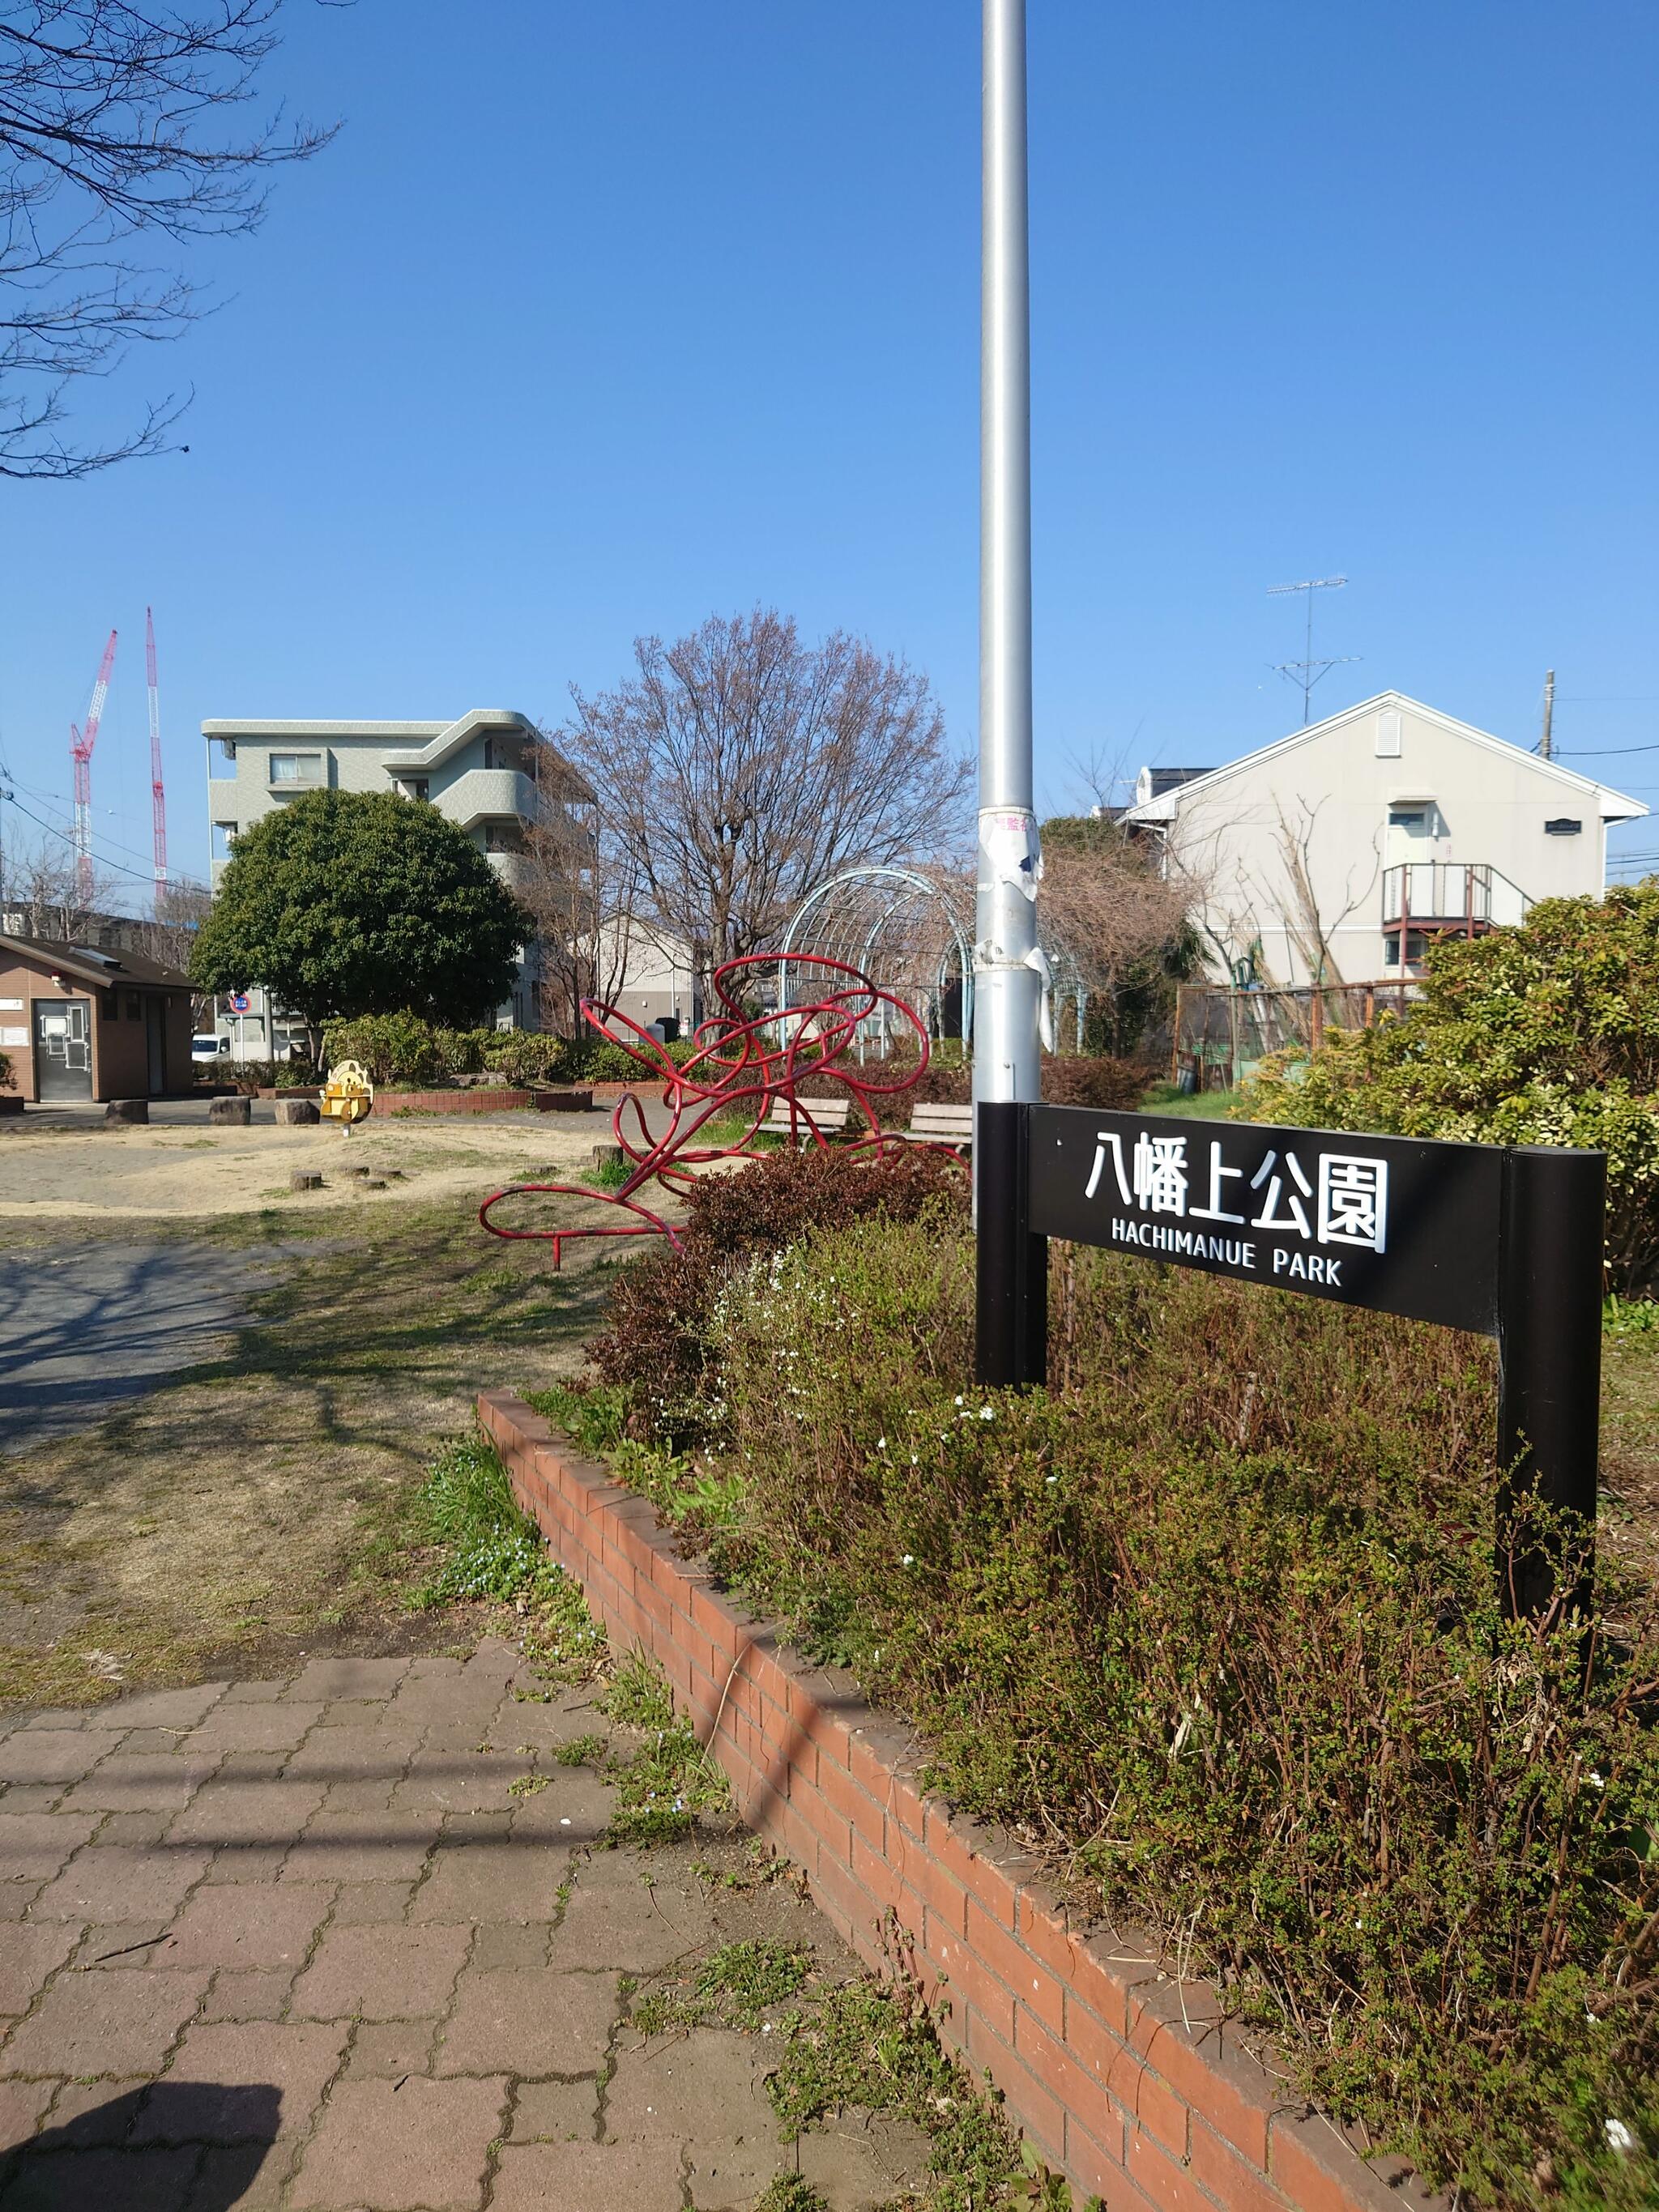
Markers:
<point>6,1077</point>
<point>465,1052</point>
<point>523,1056</point>
<point>1213,1624</point>
<point>660,1307</point>
<point>389,1048</point>
<point>1544,1035</point>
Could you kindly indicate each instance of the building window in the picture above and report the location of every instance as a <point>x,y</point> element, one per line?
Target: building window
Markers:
<point>1414,944</point>
<point>413,786</point>
<point>134,1012</point>
<point>501,838</point>
<point>222,754</point>
<point>1563,826</point>
<point>224,836</point>
<point>305,769</point>
<point>1388,736</point>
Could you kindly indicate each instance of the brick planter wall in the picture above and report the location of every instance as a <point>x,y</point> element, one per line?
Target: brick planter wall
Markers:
<point>476,1101</point>
<point>1123,2078</point>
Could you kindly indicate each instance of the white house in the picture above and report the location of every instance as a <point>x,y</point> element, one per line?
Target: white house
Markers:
<point>1337,853</point>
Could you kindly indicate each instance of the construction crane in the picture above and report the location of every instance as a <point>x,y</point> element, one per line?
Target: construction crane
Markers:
<point>81,745</point>
<point>157,797</point>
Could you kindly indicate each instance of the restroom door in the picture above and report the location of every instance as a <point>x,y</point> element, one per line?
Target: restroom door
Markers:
<point>62,1051</point>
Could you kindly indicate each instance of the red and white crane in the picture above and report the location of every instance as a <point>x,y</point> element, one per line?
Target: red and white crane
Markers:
<point>157,797</point>
<point>81,745</point>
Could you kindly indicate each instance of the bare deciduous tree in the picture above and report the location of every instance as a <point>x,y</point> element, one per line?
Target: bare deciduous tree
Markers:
<point>738,768</point>
<point>1111,902</point>
<point>113,119</point>
<point>43,898</point>
<point>1310,925</point>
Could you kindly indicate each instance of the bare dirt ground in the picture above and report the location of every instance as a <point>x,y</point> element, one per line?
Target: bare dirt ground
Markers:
<point>248,1509</point>
<point>193,1171</point>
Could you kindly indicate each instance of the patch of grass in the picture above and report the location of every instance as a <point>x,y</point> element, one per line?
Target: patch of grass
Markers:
<point>1189,1105</point>
<point>296,1447</point>
<point>670,1780</point>
<point>488,1548</point>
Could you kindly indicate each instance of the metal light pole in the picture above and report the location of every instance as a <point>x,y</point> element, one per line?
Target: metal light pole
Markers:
<point>1011,1294</point>
<point>1008,984</point>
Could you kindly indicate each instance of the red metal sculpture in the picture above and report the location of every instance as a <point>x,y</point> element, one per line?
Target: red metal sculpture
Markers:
<point>741,1061</point>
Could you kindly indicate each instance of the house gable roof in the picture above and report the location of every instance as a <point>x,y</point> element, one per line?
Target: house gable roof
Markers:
<point>1611,805</point>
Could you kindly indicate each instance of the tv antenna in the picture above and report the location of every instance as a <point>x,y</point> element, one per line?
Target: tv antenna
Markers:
<point>1307,671</point>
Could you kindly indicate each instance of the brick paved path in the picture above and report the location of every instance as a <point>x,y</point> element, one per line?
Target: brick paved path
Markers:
<point>296,1944</point>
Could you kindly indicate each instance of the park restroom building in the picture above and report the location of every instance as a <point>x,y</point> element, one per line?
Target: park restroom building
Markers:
<point>78,1025</point>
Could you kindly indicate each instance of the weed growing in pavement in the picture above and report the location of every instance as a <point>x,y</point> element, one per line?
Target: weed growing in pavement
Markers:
<point>581,1751</point>
<point>737,1986</point>
<point>670,1780</point>
<point>791,2192</point>
<point>872,2046</point>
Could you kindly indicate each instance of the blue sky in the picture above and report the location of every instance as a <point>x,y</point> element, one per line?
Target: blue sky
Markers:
<point>595,319</point>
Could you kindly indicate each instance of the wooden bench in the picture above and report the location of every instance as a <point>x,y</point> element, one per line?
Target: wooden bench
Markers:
<point>942,1125</point>
<point>828,1118</point>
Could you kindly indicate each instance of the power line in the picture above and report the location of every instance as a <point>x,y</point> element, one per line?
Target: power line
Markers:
<point>64,837</point>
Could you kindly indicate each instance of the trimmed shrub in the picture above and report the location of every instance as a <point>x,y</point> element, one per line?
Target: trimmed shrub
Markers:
<point>660,1308</point>
<point>6,1077</point>
<point>523,1056</point>
<point>389,1048</point>
<point>1544,1035</point>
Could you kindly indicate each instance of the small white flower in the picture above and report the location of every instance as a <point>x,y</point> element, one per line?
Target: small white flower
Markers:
<point>1051,1478</point>
<point>960,1399</point>
<point>986,1413</point>
<point>909,1560</point>
<point>881,1444</point>
<point>1619,2136</point>
<point>1594,1780</point>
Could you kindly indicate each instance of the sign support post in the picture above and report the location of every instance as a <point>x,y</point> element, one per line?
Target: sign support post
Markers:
<point>1503,1241</point>
<point>1549,1346</point>
<point>1011,1276</point>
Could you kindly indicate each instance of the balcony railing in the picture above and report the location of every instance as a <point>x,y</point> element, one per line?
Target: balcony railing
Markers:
<point>1451,896</point>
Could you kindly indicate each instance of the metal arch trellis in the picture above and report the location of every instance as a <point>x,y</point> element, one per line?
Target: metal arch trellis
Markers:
<point>858,930</point>
<point>740,1061</point>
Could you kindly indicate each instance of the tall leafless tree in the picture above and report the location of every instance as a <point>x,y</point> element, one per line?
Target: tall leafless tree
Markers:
<point>739,766</point>
<point>120,124</point>
<point>44,899</point>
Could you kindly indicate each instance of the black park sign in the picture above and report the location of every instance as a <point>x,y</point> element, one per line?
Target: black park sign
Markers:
<point>1504,1241</point>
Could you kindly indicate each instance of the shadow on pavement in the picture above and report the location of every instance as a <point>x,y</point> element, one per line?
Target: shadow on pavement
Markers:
<point>143,2152</point>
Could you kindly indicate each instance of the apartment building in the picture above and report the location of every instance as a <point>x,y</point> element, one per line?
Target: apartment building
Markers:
<point>475,769</point>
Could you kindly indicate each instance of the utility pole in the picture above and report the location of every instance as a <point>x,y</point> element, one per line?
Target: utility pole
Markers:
<point>1547,736</point>
<point>1007,965</point>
